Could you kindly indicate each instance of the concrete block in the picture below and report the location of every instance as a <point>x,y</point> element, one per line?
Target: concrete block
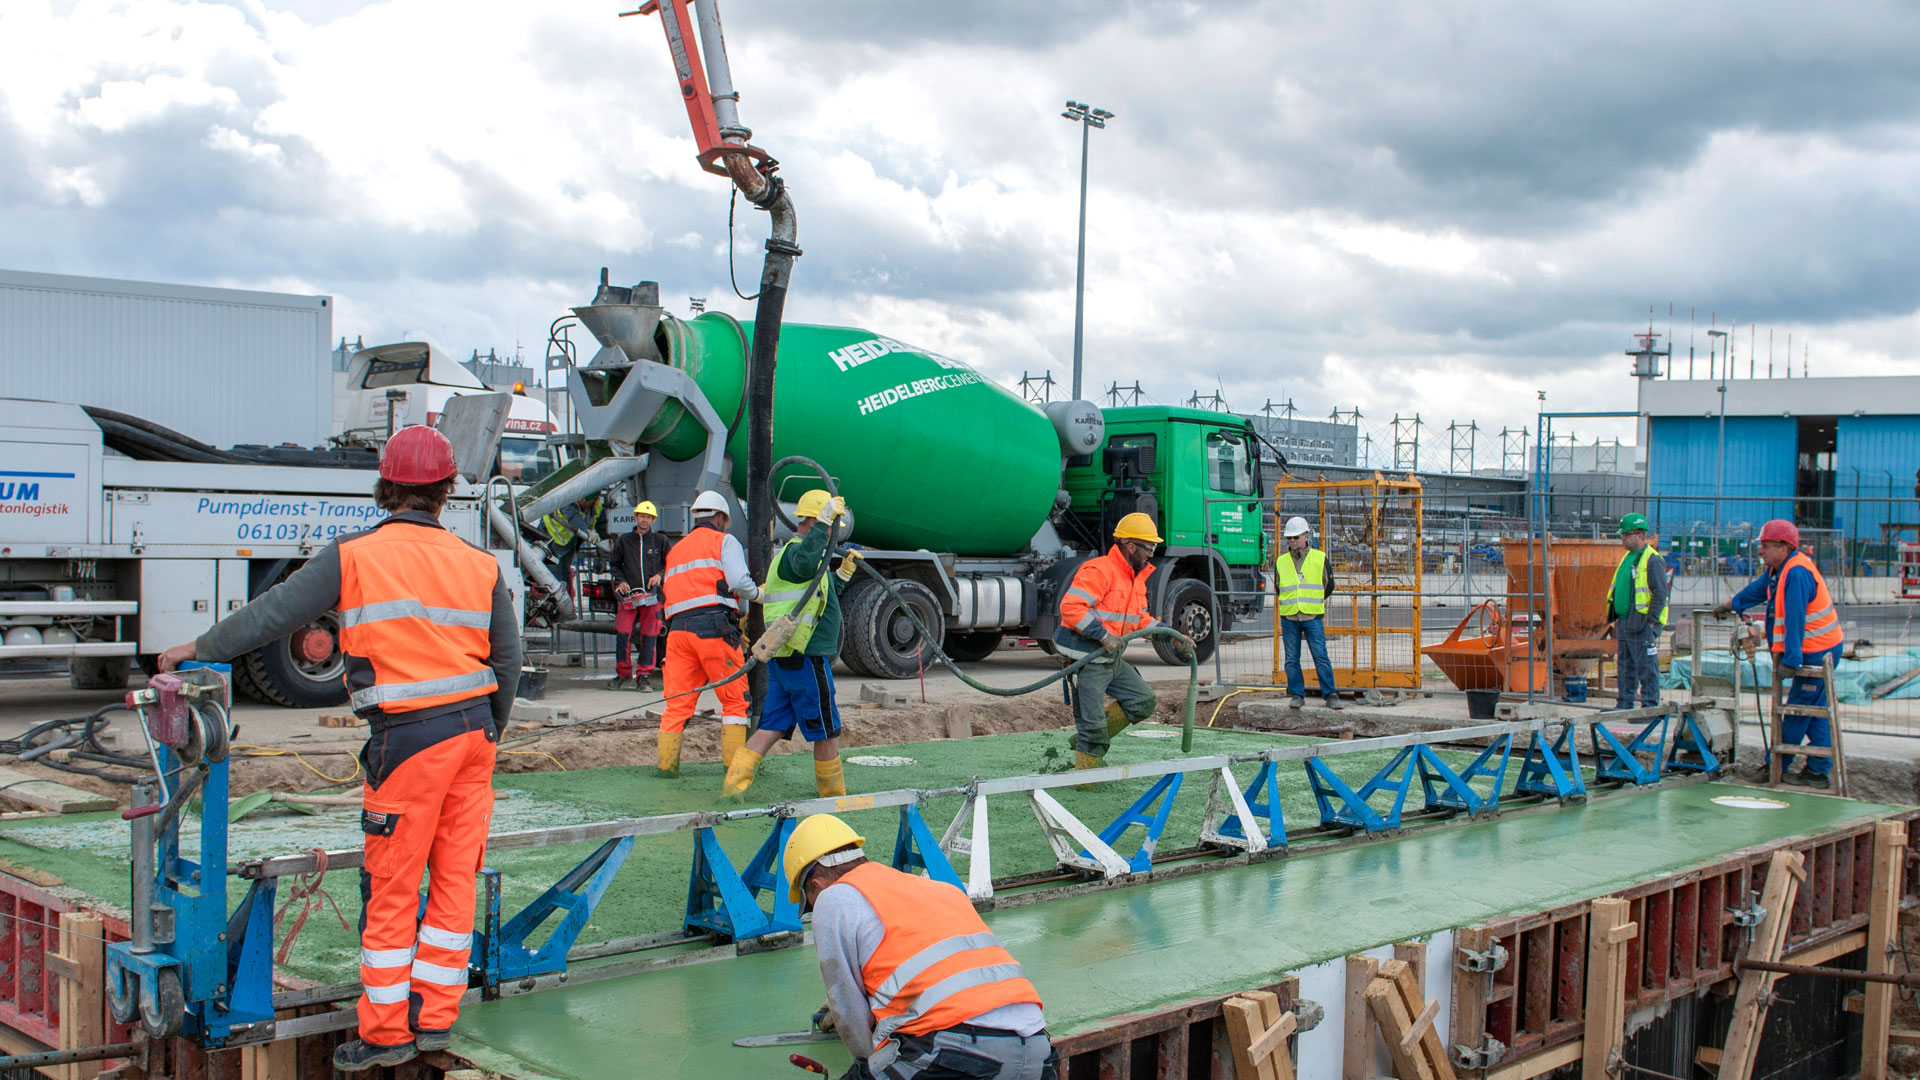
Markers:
<point>883,695</point>
<point>553,659</point>
<point>1214,691</point>
<point>340,720</point>
<point>959,724</point>
<point>542,713</point>
<point>1520,710</point>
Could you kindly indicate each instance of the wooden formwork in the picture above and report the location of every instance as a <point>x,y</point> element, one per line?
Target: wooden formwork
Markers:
<point>1688,935</point>
<point>1186,1041</point>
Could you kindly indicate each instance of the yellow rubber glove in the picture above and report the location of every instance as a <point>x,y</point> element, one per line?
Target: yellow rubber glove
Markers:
<point>849,563</point>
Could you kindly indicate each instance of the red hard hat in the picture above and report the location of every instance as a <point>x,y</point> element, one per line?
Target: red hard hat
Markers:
<point>416,455</point>
<point>1782,530</point>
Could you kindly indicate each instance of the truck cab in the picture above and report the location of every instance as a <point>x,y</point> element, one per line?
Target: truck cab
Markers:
<point>410,382</point>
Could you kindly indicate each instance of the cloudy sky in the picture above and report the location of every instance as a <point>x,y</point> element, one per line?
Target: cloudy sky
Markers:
<point>1348,203</point>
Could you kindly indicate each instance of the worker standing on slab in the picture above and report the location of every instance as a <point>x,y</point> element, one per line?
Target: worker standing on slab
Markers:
<point>1637,612</point>
<point>570,528</point>
<point>800,678</point>
<point>705,584</point>
<point>1803,629</point>
<point>433,658</point>
<point>1302,583</point>
<point>917,986</point>
<point>639,562</point>
<point>1106,601</point>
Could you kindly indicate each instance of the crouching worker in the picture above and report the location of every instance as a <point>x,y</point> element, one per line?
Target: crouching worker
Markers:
<point>800,677</point>
<point>917,986</point>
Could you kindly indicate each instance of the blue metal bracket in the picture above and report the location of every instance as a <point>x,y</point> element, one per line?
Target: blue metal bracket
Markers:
<point>1355,808</point>
<point>504,951</point>
<point>1144,814</point>
<point>914,848</point>
<point>1615,760</point>
<point>1449,790</point>
<point>1689,738</point>
<point>726,901</point>
<point>1553,770</point>
<point>1267,782</point>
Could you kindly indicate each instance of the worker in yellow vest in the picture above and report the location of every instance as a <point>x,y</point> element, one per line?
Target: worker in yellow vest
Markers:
<point>1637,612</point>
<point>1302,582</point>
<point>1803,629</point>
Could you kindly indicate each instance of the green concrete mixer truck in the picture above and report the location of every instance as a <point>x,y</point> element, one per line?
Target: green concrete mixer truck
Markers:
<point>977,506</point>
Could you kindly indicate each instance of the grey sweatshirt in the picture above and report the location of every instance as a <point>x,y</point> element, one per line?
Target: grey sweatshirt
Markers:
<point>314,589</point>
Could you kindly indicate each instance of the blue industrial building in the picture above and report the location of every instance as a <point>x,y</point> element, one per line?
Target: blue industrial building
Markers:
<point>1838,456</point>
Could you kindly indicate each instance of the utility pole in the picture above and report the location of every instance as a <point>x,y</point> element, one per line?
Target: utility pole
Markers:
<point>1088,118</point>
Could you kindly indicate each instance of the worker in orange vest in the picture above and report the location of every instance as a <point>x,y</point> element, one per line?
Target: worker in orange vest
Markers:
<point>917,986</point>
<point>1803,629</point>
<point>706,582</point>
<point>1106,601</point>
<point>432,655</point>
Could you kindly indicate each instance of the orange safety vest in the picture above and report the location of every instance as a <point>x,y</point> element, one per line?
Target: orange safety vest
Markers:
<point>937,964</point>
<point>1823,620</point>
<point>694,578</point>
<point>416,605</point>
<point>1106,597</point>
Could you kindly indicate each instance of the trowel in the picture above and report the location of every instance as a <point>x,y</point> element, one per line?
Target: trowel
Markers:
<point>817,1033</point>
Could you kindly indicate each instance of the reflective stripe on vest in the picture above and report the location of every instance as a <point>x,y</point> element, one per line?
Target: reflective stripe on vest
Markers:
<point>1642,588</point>
<point>1301,591</point>
<point>694,576</point>
<point>556,523</point>
<point>781,597</point>
<point>1106,597</point>
<point>1822,630</point>
<point>937,964</point>
<point>416,605</point>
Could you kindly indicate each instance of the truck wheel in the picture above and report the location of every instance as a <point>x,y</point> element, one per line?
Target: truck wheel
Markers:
<point>971,645</point>
<point>881,641</point>
<point>304,670</point>
<point>99,672</point>
<point>1190,611</point>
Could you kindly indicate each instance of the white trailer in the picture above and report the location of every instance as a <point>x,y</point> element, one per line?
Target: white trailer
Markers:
<point>105,558</point>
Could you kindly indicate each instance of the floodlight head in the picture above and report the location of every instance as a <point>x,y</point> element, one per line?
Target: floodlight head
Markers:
<point>1103,114</point>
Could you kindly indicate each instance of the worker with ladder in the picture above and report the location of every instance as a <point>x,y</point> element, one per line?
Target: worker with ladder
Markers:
<point>1803,631</point>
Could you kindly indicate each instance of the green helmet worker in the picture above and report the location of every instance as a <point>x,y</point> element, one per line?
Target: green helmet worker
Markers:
<point>1637,613</point>
<point>914,978</point>
<point>1106,601</point>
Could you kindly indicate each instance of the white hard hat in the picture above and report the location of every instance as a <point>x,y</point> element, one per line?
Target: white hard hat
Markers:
<point>710,502</point>
<point>1296,526</point>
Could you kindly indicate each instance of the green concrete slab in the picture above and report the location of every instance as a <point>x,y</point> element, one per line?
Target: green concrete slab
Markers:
<point>1145,947</point>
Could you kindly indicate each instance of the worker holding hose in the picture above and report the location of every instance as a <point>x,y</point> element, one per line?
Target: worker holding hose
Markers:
<point>432,651</point>
<point>917,986</point>
<point>705,584</point>
<point>1107,600</point>
<point>800,677</point>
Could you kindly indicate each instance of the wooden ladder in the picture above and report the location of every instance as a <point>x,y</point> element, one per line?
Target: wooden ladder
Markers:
<point>1830,711</point>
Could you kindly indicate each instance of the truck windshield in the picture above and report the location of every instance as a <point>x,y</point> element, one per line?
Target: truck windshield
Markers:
<point>527,461</point>
<point>1229,467</point>
<point>394,373</point>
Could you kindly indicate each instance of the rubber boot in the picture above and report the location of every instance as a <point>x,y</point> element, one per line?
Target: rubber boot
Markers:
<point>1084,760</point>
<point>1116,719</point>
<point>669,754</point>
<point>732,738</point>
<point>740,774</point>
<point>829,778</point>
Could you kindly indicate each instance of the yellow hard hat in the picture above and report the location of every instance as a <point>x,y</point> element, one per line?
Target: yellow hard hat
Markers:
<point>1137,527</point>
<point>647,508</point>
<point>817,835</point>
<point>811,503</point>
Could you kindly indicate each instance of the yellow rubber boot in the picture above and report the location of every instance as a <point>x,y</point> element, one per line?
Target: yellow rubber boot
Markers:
<point>669,754</point>
<point>1116,719</point>
<point>1083,760</point>
<point>740,774</point>
<point>829,778</point>
<point>732,738</point>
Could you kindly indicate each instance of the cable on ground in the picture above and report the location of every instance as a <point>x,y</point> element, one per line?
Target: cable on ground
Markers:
<point>267,751</point>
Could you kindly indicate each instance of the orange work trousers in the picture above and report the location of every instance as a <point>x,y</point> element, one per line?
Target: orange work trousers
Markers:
<point>437,805</point>
<point>695,661</point>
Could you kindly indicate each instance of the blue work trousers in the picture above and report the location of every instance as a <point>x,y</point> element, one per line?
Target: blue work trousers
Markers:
<point>1812,730</point>
<point>1315,631</point>
<point>1639,671</point>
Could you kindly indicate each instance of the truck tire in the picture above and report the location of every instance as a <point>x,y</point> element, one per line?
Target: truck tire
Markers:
<point>280,676</point>
<point>1190,605</point>
<point>969,646</point>
<point>881,642</point>
<point>99,672</point>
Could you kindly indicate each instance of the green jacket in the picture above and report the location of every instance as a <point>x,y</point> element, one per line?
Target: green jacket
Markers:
<point>799,563</point>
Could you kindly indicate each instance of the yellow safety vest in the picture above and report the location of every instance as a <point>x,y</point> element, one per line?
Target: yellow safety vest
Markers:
<point>1302,592</point>
<point>782,596</point>
<point>1643,592</point>
<point>556,523</point>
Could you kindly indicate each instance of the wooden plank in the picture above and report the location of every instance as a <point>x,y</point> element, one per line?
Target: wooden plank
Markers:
<point>1707,1056</point>
<point>1830,950</point>
<point>1883,930</point>
<point>272,1061</point>
<point>28,873</point>
<point>1607,942</point>
<point>81,966</point>
<point>1245,1023</point>
<point>1784,872</point>
<point>1413,999</point>
<point>1414,955</point>
<point>1471,989</point>
<point>1891,685</point>
<point>49,794</point>
<point>1358,1059</point>
<point>1271,1047</point>
<point>1540,1064</point>
<point>1388,1009</point>
<point>1904,1038</point>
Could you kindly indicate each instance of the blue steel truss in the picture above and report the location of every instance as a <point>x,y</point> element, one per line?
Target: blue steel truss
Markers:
<point>1552,770</point>
<point>1145,814</point>
<point>916,848</point>
<point>1615,760</point>
<point>1266,783</point>
<point>726,901</point>
<point>502,953</point>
